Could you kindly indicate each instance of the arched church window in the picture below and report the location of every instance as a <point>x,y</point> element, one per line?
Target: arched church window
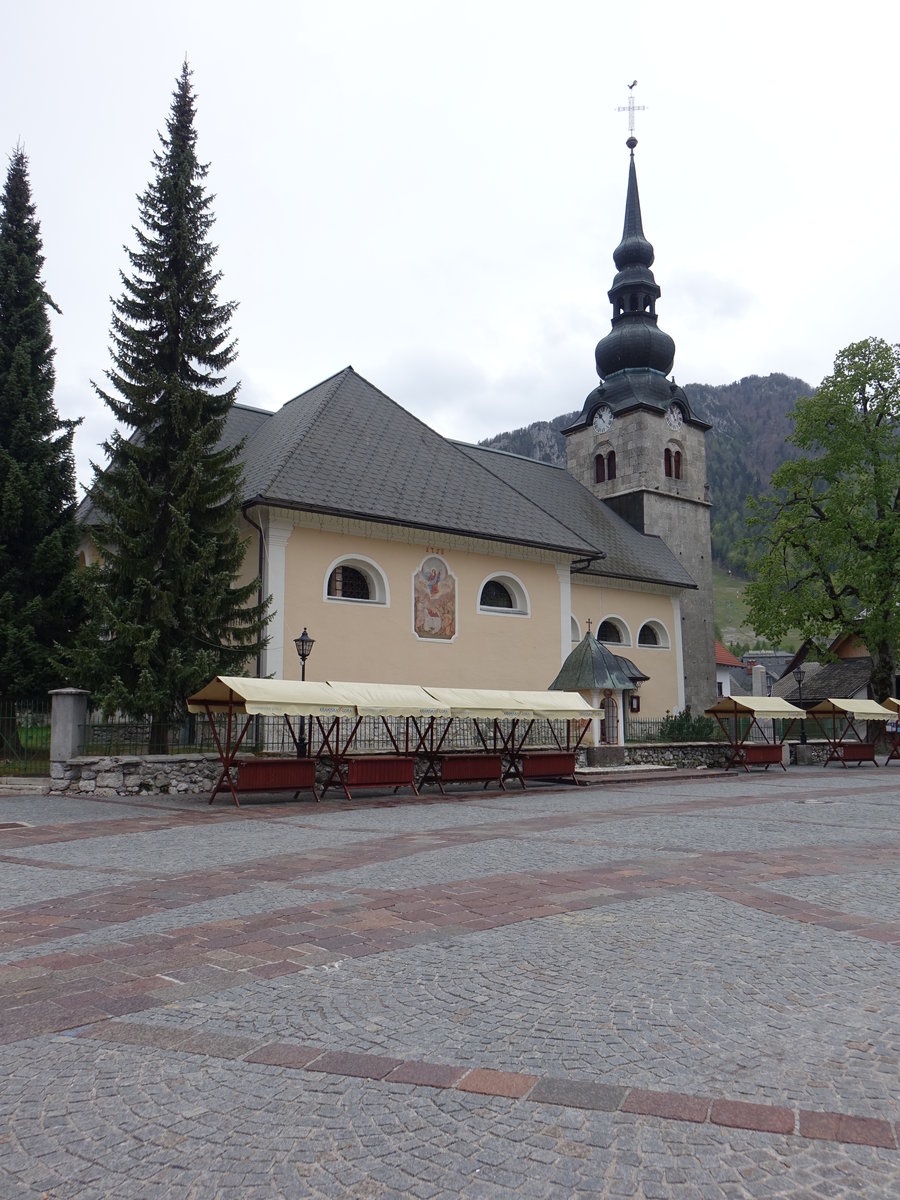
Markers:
<point>346,583</point>
<point>652,633</point>
<point>668,463</point>
<point>599,469</point>
<point>357,579</point>
<point>503,593</point>
<point>611,465</point>
<point>495,595</point>
<point>609,632</point>
<point>676,464</point>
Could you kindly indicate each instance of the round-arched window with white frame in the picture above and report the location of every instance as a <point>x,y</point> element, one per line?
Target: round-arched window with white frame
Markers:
<point>356,579</point>
<point>504,595</point>
<point>614,631</point>
<point>655,634</point>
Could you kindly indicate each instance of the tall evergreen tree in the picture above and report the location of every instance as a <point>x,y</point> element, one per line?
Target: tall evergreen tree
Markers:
<point>167,613</point>
<point>38,536</point>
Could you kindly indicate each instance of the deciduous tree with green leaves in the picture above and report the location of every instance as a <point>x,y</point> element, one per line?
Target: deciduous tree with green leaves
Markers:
<point>39,603</point>
<point>168,614</point>
<point>829,557</point>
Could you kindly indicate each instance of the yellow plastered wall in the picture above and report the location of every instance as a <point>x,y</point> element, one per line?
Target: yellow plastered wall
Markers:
<point>372,642</point>
<point>633,608</point>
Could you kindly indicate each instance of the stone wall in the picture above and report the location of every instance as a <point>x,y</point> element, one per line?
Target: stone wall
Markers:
<point>134,775</point>
<point>197,774</point>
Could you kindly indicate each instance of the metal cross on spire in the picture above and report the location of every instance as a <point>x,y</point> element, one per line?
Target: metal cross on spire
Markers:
<point>631,108</point>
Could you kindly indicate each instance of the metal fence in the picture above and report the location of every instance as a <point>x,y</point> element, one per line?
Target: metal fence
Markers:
<point>271,735</point>
<point>25,737</point>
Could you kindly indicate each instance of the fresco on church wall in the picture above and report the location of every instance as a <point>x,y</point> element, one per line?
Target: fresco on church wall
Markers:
<point>434,601</point>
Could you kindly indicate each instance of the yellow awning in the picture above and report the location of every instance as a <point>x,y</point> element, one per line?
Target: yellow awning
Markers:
<point>863,710</point>
<point>560,705</point>
<point>390,700</point>
<point>761,707</point>
<point>270,698</point>
<point>290,697</point>
<point>485,703</point>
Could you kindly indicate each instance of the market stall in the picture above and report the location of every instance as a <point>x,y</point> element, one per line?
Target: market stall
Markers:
<point>892,729</point>
<point>740,718</point>
<point>838,721</point>
<point>415,720</point>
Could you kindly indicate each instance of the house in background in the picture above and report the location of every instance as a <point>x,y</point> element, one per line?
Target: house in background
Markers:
<point>731,674</point>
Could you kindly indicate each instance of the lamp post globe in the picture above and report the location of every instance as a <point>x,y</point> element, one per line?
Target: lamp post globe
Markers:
<point>304,644</point>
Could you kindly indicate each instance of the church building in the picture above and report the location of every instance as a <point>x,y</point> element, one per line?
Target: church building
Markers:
<point>412,558</point>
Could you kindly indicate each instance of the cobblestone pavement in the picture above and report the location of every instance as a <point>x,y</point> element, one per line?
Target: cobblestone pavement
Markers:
<point>671,988</point>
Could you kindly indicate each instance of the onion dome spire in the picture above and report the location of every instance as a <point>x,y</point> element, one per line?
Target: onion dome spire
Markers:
<point>635,341</point>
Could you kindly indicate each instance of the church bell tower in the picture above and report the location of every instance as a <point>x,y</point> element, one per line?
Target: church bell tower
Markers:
<point>640,448</point>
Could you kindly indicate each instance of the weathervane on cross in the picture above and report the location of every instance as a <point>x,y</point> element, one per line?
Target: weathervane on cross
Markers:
<point>631,108</point>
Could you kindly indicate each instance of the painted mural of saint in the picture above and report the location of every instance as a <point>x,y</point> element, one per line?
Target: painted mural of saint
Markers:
<point>434,601</point>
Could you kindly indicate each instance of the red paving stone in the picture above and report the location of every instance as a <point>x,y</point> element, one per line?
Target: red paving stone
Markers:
<point>363,1066</point>
<point>762,1118</point>
<point>838,1127</point>
<point>674,1106</point>
<point>488,1082</point>
<point>425,1074</point>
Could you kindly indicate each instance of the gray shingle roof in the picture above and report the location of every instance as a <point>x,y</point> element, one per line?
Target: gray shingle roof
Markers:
<point>344,447</point>
<point>841,680</point>
<point>629,554</point>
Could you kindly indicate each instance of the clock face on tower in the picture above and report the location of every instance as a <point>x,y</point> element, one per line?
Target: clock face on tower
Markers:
<point>674,417</point>
<point>603,419</point>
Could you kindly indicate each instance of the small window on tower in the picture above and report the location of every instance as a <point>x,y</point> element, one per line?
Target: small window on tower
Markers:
<point>676,464</point>
<point>611,465</point>
<point>599,469</point>
<point>668,463</point>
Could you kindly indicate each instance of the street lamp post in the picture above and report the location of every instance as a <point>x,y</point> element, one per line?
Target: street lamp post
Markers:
<point>798,677</point>
<point>304,644</point>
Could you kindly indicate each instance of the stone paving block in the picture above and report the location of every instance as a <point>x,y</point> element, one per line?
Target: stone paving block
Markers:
<point>838,1127</point>
<point>218,1045</point>
<point>365,1066</point>
<point>488,1082</point>
<point>285,1054</point>
<point>671,1105</point>
<point>426,1074</point>
<point>575,1093</point>
<point>762,1118</point>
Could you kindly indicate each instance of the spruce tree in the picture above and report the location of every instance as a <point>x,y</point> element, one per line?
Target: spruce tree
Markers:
<point>167,613</point>
<point>38,536</point>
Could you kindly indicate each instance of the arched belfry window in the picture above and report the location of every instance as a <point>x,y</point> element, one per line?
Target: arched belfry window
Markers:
<point>673,463</point>
<point>605,467</point>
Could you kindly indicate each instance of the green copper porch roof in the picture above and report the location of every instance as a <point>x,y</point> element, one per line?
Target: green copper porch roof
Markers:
<point>591,667</point>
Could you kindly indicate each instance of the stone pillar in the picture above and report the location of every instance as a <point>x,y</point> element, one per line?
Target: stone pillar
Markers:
<point>68,715</point>
<point>758,675</point>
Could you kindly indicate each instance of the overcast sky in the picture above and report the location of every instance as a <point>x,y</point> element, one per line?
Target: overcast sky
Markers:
<point>432,191</point>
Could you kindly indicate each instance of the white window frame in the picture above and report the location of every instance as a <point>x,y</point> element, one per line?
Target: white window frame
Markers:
<point>663,643</point>
<point>517,590</point>
<point>621,624</point>
<point>379,588</point>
